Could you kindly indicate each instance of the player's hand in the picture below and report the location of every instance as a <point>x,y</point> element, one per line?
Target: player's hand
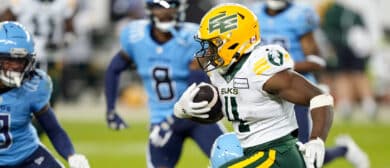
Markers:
<point>114,121</point>
<point>161,132</point>
<point>186,107</point>
<point>78,161</point>
<point>313,152</point>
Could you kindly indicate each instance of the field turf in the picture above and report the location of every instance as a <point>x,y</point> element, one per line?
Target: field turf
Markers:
<point>126,149</point>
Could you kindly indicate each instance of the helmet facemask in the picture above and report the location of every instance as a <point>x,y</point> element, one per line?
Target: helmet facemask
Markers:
<point>207,56</point>
<point>14,67</point>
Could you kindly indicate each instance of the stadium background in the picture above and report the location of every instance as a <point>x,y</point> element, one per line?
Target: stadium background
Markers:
<point>81,107</point>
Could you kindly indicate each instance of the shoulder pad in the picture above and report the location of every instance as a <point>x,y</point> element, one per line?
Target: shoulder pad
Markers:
<point>40,82</point>
<point>187,32</point>
<point>190,27</point>
<point>134,31</point>
<point>270,59</point>
<point>306,18</point>
<point>39,88</point>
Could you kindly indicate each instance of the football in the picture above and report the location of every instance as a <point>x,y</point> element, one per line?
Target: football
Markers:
<point>208,92</point>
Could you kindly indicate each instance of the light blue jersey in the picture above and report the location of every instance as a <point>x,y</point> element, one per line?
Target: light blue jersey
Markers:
<point>18,138</point>
<point>287,27</point>
<point>164,68</point>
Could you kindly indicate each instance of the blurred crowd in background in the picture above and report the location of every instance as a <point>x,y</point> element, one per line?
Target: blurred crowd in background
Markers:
<point>353,37</point>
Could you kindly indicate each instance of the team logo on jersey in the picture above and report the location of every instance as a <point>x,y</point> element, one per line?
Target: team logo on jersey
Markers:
<point>275,57</point>
<point>223,23</point>
<point>241,83</point>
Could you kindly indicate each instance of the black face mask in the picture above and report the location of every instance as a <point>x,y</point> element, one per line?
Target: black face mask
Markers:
<point>207,57</point>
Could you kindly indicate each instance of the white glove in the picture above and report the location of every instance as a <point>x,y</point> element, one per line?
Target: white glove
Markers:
<point>313,152</point>
<point>78,161</point>
<point>186,107</point>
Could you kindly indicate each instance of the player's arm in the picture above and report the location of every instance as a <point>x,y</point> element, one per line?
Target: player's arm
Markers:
<point>120,62</point>
<point>55,132</point>
<point>59,138</point>
<point>197,75</point>
<point>313,62</point>
<point>292,87</point>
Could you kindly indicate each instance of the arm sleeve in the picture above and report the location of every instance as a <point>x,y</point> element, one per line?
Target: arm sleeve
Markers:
<point>111,79</point>
<point>198,76</point>
<point>56,133</point>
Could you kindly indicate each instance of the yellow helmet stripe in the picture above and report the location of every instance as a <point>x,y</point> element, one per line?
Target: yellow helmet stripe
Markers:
<point>270,161</point>
<point>248,161</point>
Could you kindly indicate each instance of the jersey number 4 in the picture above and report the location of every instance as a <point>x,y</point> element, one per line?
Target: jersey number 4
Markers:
<point>5,136</point>
<point>233,115</point>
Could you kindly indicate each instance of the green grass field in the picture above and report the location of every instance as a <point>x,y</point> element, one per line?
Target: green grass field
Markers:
<point>126,149</point>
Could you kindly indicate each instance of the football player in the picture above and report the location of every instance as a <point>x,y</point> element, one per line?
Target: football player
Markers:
<point>257,87</point>
<point>161,49</point>
<point>292,26</point>
<point>25,92</point>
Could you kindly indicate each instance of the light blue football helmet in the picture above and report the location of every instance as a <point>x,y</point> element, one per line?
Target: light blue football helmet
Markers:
<point>225,148</point>
<point>16,47</point>
<point>180,5</point>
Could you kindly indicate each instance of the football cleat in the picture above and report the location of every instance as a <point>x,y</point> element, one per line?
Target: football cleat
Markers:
<point>354,155</point>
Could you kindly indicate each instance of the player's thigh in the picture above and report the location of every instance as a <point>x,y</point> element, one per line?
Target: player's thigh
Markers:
<point>289,158</point>
<point>41,158</point>
<point>168,154</point>
<point>278,157</point>
<point>205,134</point>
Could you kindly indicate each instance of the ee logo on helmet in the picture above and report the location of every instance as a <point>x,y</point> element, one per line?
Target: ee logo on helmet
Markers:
<point>223,23</point>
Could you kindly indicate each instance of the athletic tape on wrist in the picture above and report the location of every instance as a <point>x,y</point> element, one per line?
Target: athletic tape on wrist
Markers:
<point>321,100</point>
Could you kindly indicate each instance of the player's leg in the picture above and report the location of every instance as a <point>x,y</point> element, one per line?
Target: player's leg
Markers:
<point>41,158</point>
<point>167,154</point>
<point>334,153</point>
<point>353,154</point>
<point>346,147</point>
<point>205,134</point>
<point>280,153</point>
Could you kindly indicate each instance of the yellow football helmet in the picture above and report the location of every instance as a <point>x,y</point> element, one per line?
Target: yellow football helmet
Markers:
<point>226,32</point>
